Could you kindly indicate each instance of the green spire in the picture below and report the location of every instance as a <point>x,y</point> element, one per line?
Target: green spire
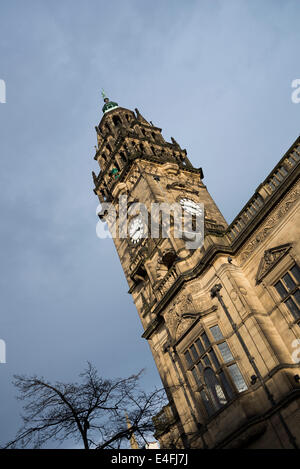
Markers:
<point>108,104</point>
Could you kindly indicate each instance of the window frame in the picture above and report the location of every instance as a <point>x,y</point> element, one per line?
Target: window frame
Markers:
<point>219,367</point>
<point>290,293</point>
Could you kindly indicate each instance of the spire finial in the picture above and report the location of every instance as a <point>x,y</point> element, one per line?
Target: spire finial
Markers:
<point>103,94</point>
<point>108,104</point>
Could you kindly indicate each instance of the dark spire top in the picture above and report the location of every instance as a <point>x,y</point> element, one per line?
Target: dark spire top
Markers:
<point>109,105</point>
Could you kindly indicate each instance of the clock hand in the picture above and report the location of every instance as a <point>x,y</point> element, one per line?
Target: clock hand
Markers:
<point>136,231</point>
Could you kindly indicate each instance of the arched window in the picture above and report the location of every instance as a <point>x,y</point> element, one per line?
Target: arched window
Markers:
<point>214,388</point>
<point>123,157</point>
<point>117,121</point>
<point>108,147</point>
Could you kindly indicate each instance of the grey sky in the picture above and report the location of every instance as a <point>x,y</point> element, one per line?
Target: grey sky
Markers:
<point>216,75</point>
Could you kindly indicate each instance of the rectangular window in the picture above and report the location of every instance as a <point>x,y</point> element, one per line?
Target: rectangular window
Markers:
<point>205,340</point>
<point>206,360</point>
<point>196,376</point>
<point>213,358</point>
<point>237,378</point>
<point>188,358</point>
<point>280,289</point>
<point>296,273</point>
<point>288,290</point>
<point>216,333</point>
<point>199,346</point>
<point>289,282</point>
<point>225,352</point>
<point>194,352</point>
<point>296,297</point>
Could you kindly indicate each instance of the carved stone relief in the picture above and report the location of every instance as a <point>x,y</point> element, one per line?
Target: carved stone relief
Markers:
<point>182,314</point>
<point>270,224</point>
<point>270,258</point>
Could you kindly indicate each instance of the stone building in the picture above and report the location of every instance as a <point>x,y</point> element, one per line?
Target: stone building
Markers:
<point>222,320</point>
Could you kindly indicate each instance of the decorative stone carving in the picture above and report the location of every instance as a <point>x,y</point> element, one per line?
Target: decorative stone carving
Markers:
<point>182,314</point>
<point>270,258</point>
<point>183,326</point>
<point>172,318</point>
<point>182,187</point>
<point>243,291</point>
<point>271,222</point>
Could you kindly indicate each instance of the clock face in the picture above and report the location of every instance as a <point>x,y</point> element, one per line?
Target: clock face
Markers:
<point>190,206</point>
<point>136,229</point>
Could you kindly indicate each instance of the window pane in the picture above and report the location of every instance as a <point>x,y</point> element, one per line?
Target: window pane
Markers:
<point>289,281</point>
<point>225,352</point>
<point>237,378</point>
<point>200,346</point>
<point>280,289</point>
<point>214,388</point>
<point>296,297</point>
<point>216,332</point>
<point>200,368</point>
<point>205,340</point>
<point>226,384</point>
<point>214,359</point>
<point>293,308</point>
<point>283,170</point>
<point>188,358</point>
<point>196,377</point>
<point>206,360</point>
<point>207,404</point>
<point>194,352</point>
<point>296,272</point>
<point>220,394</point>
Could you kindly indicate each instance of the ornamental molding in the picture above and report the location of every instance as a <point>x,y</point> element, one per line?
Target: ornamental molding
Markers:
<point>181,315</point>
<point>280,211</point>
<point>178,186</point>
<point>270,258</point>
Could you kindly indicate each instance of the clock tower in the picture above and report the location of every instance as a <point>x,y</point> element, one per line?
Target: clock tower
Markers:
<point>203,312</point>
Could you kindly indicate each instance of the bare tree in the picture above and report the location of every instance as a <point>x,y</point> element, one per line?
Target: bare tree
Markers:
<point>92,412</point>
